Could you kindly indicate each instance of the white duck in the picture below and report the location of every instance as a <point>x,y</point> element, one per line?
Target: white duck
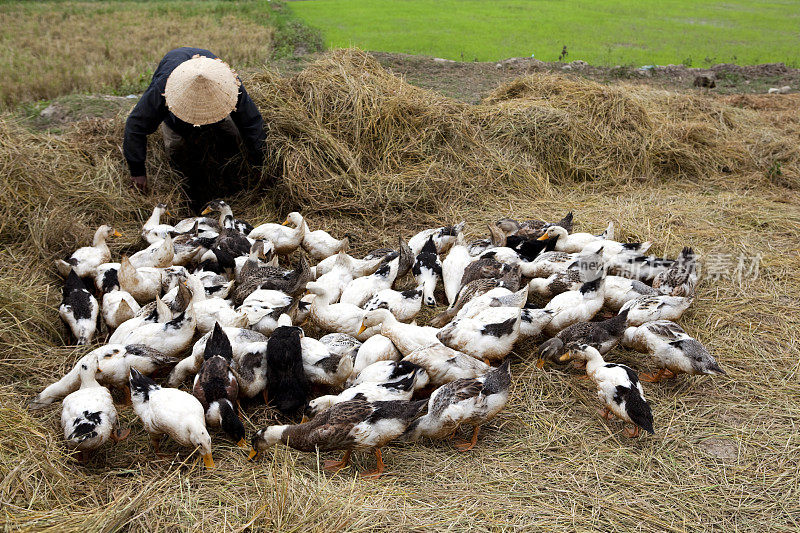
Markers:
<point>397,385</point>
<point>170,338</point>
<point>574,242</point>
<point>453,268</point>
<point>490,335</point>
<point>337,278</point>
<point>209,311</point>
<point>674,350</point>
<point>405,337</point>
<point>170,412</point>
<point>360,290</point>
<point>149,314</point>
<point>376,348</point>
<point>88,415</point>
<point>620,291</point>
<point>143,283</point>
<point>286,240</point>
<point>427,270</point>
<point>115,362</point>
<point>321,366</point>
<point>651,308</point>
<point>443,364</point>
<point>337,317</point>
<point>404,305</point>
<point>550,263</point>
<point>118,307</point>
<point>157,255</point>
<point>618,387</point>
<point>79,309</point>
<point>84,261</point>
<point>263,308</point>
<point>320,244</point>
<point>357,267</point>
<point>443,238</point>
<point>575,306</point>
<point>153,230</point>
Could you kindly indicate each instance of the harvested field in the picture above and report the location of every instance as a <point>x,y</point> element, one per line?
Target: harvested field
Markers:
<point>361,151</point>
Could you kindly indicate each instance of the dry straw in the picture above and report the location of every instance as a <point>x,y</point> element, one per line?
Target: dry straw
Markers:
<point>362,152</point>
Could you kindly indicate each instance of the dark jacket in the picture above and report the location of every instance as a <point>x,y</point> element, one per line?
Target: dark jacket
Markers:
<point>151,110</point>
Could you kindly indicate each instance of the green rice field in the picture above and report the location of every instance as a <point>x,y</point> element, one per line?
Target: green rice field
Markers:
<point>626,32</point>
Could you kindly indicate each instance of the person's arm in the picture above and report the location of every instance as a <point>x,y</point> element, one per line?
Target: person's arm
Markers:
<point>251,127</point>
<point>149,112</point>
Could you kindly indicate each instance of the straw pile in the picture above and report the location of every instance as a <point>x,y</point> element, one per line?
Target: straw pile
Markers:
<point>359,149</point>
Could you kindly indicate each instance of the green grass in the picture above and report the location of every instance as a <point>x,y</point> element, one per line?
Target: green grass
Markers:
<point>627,32</point>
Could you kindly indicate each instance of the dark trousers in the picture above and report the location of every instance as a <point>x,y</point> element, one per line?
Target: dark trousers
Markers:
<point>211,161</point>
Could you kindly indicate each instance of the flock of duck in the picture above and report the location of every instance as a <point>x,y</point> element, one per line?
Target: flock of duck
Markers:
<point>208,301</point>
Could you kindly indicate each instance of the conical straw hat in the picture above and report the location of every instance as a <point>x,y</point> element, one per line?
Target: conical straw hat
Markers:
<point>202,91</point>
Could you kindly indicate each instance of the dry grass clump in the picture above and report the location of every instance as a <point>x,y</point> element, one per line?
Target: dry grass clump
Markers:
<point>725,455</point>
<point>55,48</point>
<point>360,138</point>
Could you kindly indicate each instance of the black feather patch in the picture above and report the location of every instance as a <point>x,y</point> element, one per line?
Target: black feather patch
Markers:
<point>218,344</point>
<point>141,384</point>
<point>499,329</point>
<point>110,281</point>
<point>591,286</point>
<point>411,294</point>
<point>288,388</point>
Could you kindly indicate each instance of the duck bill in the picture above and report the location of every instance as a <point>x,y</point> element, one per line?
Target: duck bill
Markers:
<point>242,443</point>
<point>208,461</point>
<point>285,222</point>
<point>253,454</point>
<point>117,234</point>
<point>206,211</point>
<point>543,237</point>
<point>565,357</point>
<point>362,329</point>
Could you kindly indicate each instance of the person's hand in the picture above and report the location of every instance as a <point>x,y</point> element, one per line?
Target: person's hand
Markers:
<point>139,183</point>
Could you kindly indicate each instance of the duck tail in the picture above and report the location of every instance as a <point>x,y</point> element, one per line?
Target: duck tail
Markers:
<point>639,410</point>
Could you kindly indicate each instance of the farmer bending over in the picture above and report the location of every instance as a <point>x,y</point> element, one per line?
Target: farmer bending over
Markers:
<point>205,116</point>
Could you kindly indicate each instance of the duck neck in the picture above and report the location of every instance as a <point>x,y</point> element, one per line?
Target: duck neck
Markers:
<point>88,375</point>
<point>388,323</point>
<point>154,220</point>
<point>99,240</point>
<point>594,361</point>
<point>197,288</point>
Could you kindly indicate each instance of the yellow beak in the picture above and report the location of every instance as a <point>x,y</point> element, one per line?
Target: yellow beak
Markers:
<point>208,461</point>
<point>362,329</point>
<point>206,211</point>
<point>117,234</point>
<point>565,357</point>
<point>242,443</point>
<point>285,222</point>
<point>253,454</point>
<point>543,237</point>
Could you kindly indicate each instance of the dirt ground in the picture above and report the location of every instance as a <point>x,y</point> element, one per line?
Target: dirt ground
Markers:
<point>467,81</point>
